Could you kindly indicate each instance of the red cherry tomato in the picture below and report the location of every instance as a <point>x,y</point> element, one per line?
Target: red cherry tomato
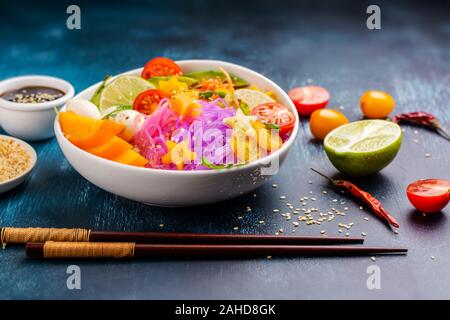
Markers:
<point>147,102</point>
<point>430,195</point>
<point>160,67</point>
<point>277,114</point>
<point>308,99</point>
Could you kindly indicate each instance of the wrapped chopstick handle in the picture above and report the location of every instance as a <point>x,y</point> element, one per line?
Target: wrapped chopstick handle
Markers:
<point>54,249</point>
<point>26,235</point>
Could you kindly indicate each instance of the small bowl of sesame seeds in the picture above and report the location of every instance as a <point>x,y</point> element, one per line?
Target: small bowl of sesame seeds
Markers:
<point>17,160</point>
<point>28,104</point>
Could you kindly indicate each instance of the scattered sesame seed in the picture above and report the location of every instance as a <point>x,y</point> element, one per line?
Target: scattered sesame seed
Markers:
<point>310,192</point>
<point>427,155</point>
<point>340,231</point>
<point>282,197</point>
<point>281,230</point>
<point>295,223</point>
<point>276,210</point>
<point>416,141</point>
<point>277,233</point>
<point>363,234</point>
<point>346,208</point>
<point>288,204</point>
<point>269,257</point>
<point>433,258</point>
<point>274,186</point>
<point>361,208</point>
<point>395,231</point>
<point>322,232</point>
<point>161,225</point>
<point>367,219</point>
<point>313,199</point>
<point>416,132</point>
<point>236,228</point>
<point>347,234</point>
<point>248,208</point>
<point>341,107</point>
<point>240,217</point>
<point>310,182</point>
<point>373,259</point>
<point>324,192</point>
<point>334,200</point>
<point>261,222</point>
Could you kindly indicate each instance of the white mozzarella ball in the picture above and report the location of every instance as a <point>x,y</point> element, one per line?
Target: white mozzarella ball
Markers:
<point>132,120</point>
<point>83,108</point>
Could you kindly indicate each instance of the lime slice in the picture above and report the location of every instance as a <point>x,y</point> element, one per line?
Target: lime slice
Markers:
<point>122,91</point>
<point>363,147</point>
<point>252,98</point>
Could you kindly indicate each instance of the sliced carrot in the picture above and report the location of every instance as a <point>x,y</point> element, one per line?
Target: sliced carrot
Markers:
<point>86,132</point>
<point>131,157</point>
<point>111,149</point>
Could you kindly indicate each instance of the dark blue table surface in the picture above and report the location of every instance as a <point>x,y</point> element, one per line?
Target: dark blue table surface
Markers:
<point>325,44</point>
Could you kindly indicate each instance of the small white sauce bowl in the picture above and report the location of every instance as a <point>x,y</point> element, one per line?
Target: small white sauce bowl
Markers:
<point>32,121</point>
<point>12,183</point>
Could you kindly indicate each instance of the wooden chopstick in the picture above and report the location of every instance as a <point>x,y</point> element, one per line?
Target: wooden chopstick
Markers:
<point>24,235</point>
<point>204,238</point>
<point>63,250</point>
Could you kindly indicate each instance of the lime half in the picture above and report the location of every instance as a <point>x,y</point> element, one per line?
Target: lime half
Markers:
<point>363,147</point>
<point>252,98</point>
<point>122,91</point>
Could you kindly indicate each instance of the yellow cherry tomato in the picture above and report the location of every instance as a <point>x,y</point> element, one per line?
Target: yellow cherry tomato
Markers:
<point>322,121</point>
<point>376,104</point>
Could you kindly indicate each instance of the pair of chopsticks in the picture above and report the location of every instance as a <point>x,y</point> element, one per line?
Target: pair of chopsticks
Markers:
<point>83,243</point>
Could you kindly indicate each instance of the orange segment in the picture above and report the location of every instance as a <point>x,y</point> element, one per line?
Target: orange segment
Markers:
<point>87,133</point>
<point>131,157</point>
<point>140,161</point>
<point>111,149</point>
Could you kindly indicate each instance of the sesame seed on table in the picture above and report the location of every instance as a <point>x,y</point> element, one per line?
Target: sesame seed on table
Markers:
<point>294,45</point>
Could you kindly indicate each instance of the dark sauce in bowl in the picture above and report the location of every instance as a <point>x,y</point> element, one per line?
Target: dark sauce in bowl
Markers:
<point>32,95</point>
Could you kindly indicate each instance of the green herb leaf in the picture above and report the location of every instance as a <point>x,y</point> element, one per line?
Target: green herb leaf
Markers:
<point>211,74</point>
<point>271,126</point>
<point>117,110</point>
<point>209,93</point>
<point>209,164</point>
<point>245,108</point>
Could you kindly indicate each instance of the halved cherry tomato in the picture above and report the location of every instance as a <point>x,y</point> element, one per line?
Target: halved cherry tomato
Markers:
<point>277,114</point>
<point>147,102</point>
<point>310,98</point>
<point>160,67</point>
<point>430,195</point>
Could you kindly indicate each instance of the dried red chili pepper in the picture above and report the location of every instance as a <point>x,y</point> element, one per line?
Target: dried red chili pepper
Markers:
<point>367,198</point>
<point>423,119</point>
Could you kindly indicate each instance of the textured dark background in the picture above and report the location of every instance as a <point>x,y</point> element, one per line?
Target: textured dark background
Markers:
<point>293,44</point>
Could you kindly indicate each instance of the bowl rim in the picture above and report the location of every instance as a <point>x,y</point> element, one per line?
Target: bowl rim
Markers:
<point>32,154</point>
<point>256,163</point>
<point>40,80</point>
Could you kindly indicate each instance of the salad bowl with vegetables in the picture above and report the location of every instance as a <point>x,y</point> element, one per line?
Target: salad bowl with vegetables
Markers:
<point>179,133</point>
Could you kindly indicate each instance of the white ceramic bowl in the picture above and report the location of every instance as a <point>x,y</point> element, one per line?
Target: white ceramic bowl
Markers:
<point>12,183</point>
<point>179,188</point>
<point>32,121</point>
